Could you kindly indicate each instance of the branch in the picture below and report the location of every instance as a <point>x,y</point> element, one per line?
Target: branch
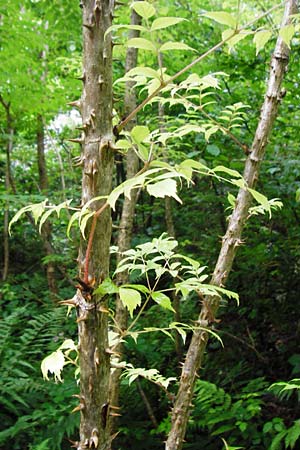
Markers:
<point>165,83</point>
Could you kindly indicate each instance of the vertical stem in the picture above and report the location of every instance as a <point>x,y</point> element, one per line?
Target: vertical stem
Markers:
<point>8,186</point>
<point>232,238</point>
<point>128,210</point>
<point>96,111</point>
<point>46,232</point>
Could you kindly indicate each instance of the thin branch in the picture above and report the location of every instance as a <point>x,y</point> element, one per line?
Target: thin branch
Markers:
<point>165,83</point>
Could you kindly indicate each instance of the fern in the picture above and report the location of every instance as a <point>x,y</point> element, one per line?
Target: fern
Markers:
<point>33,411</point>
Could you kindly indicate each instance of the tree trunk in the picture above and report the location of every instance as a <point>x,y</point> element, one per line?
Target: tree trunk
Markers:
<point>46,233</point>
<point>97,159</point>
<point>127,218</point>
<point>8,186</point>
<point>232,238</point>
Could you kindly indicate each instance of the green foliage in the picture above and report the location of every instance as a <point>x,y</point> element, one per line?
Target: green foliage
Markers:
<point>32,411</point>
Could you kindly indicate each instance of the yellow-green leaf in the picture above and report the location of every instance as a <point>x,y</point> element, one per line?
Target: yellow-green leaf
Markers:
<point>141,43</point>
<point>260,39</point>
<point>53,363</point>
<point>175,46</point>
<point>130,298</point>
<point>143,9</point>
<point>164,188</point>
<point>162,300</point>
<point>286,33</point>
<point>165,22</point>
<point>222,17</point>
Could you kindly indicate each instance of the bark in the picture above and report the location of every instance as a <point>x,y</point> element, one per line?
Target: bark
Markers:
<point>97,160</point>
<point>8,187</point>
<point>46,233</point>
<point>232,238</point>
<point>9,184</point>
<point>128,210</point>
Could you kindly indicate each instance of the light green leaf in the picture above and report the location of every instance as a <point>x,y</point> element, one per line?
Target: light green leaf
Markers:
<point>130,298</point>
<point>231,172</point>
<point>144,9</point>
<point>145,71</point>
<point>139,133</point>
<point>164,188</point>
<point>286,33</point>
<point>232,41</point>
<point>138,287</point>
<point>298,195</point>
<point>45,217</point>
<point>73,218</point>
<point>143,152</point>
<point>175,46</point>
<point>165,22</point>
<point>123,144</point>
<point>106,287</point>
<point>260,39</point>
<point>222,17</point>
<point>162,300</point>
<point>260,198</point>
<point>37,210</point>
<point>142,43</point>
<point>231,199</point>
<point>53,363</point>
<point>18,215</point>
<point>68,344</point>
<point>128,27</point>
<point>84,221</point>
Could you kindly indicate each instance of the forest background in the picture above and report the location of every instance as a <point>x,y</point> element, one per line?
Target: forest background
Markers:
<point>255,343</point>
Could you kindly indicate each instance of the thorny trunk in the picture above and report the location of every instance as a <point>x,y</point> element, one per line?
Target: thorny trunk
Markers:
<point>127,218</point>
<point>232,238</point>
<point>97,161</point>
<point>43,185</point>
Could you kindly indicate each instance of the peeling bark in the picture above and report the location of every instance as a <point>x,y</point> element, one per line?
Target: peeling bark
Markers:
<point>97,160</point>
<point>232,238</point>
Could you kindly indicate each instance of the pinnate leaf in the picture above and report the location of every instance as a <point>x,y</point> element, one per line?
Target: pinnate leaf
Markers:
<point>165,22</point>
<point>142,43</point>
<point>221,17</point>
<point>144,9</point>
<point>130,298</point>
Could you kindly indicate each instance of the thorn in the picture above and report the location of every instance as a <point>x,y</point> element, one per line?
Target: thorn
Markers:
<point>70,302</point>
<point>83,317</point>
<point>75,103</point>
<point>81,78</point>
<point>79,407</point>
<point>89,26</point>
<point>113,436</point>
<point>109,351</point>
<point>76,140</point>
<point>115,414</point>
<point>114,407</point>
<point>103,309</point>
